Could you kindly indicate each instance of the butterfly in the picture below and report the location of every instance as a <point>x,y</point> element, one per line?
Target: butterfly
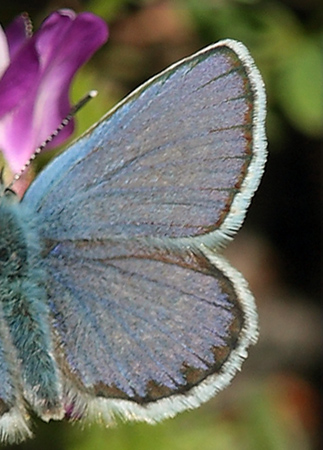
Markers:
<point>114,297</point>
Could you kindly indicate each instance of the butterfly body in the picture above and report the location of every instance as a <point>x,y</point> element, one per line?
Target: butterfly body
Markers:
<point>123,305</point>
<point>25,315</point>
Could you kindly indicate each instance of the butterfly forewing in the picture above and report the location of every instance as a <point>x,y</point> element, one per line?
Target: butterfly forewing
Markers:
<point>168,162</point>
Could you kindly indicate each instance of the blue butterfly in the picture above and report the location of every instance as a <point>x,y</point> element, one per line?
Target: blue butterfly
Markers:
<point>114,298</point>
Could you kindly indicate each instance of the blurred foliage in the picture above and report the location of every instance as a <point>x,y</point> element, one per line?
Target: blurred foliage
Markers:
<point>255,421</point>
<point>289,58</point>
<point>285,39</point>
<point>288,54</point>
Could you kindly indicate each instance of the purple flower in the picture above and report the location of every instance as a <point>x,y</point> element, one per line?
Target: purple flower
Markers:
<point>35,76</point>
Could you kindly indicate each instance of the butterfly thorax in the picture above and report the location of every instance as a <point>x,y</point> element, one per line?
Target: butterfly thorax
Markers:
<point>13,248</point>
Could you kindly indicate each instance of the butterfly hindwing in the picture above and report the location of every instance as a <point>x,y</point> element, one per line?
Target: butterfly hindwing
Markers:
<point>148,337</point>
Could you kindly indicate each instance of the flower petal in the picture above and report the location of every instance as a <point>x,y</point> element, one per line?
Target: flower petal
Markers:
<point>52,33</point>
<point>66,35</point>
<point>17,32</point>
<point>4,52</point>
<point>17,138</point>
<point>85,34</point>
<point>20,76</point>
<point>64,43</point>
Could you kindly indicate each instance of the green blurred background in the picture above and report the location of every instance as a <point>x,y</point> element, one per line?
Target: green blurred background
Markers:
<point>274,403</point>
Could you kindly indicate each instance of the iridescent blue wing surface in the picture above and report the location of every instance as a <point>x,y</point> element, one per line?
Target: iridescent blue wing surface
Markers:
<point>150,320</point>
<point>181,156</point>
<point>146,338</point>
